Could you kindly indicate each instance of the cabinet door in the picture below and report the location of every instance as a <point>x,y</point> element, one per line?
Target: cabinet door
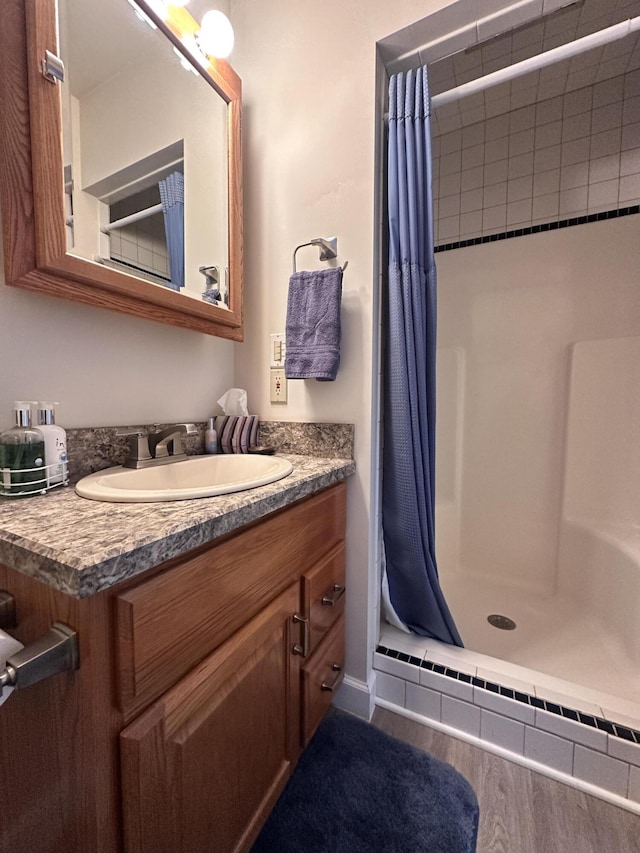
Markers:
<point>203,766</point>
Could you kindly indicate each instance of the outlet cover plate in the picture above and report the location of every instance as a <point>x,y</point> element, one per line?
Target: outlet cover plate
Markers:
<point>278,385</point>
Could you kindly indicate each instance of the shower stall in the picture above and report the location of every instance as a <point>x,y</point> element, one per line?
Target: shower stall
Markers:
<point>538,465</point>
<point>538,468</point>
<point>536,199</point>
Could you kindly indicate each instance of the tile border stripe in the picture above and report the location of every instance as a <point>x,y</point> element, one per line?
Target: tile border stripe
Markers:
<point>622,732</point>
<point>537,229</point>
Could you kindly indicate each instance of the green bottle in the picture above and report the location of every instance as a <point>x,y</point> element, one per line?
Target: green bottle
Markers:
<point>22,470</point>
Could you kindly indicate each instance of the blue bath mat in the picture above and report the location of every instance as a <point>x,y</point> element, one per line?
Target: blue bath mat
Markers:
<point>358,790</point>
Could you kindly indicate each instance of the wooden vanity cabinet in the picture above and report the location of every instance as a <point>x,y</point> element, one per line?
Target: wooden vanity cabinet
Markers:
<point>203,766</point>
<point>194,697</point>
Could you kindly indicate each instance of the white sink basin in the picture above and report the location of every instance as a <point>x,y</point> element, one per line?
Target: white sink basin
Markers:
<point>197,477</point>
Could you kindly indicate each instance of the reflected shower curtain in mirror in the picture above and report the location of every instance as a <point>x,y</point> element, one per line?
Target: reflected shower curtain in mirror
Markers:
<point>172,199</point>
<point>411,584</point>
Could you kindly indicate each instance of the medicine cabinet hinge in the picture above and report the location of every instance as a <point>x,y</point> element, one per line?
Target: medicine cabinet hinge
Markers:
<point>52,67</point>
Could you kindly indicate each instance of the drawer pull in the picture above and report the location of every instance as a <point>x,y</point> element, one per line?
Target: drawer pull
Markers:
<point>304,648</point>
<point>334,595</point>
<point>336,681</point>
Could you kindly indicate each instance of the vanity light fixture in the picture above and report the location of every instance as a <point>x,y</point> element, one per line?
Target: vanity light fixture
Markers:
<point>190,43</point>
<point>159,7</point>
<point>215,37</point>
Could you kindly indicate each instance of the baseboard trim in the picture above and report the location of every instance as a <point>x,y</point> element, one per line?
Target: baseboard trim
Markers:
<point>524,761</point>
<point>357,697</point>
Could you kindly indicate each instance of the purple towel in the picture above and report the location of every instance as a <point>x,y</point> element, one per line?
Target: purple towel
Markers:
<point>313,325</point>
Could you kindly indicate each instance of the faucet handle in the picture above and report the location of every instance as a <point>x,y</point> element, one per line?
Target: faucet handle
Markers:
<point>138,446</point>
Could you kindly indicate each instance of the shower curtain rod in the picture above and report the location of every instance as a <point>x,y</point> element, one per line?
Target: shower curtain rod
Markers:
<point>557,54</point>
<point>133,217</point>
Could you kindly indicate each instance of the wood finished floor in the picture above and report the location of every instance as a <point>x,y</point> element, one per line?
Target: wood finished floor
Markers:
<point>522,811</point>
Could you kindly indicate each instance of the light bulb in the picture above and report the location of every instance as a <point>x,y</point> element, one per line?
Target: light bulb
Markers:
<point>216,34</point>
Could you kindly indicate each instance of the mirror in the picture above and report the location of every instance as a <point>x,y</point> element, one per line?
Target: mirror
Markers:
<point>122,144</point>
<point>85,163</point>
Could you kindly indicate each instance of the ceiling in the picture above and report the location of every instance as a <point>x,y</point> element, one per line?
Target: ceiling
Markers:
<point>560,27</point>
<point>101,38</point>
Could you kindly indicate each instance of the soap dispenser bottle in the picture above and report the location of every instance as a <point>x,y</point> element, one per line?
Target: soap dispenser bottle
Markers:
<point>22,471</point>
<point>55,444</point>
<point>211,437</point>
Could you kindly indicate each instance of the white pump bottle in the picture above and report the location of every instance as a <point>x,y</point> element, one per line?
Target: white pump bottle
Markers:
<point>55,444</point>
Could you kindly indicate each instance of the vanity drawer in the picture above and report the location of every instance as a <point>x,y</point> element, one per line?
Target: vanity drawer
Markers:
<point>321,677</point>
<point>323,594</point>
<point>168,624</point>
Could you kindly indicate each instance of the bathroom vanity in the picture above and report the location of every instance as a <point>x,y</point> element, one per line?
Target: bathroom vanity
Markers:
<point>202,676</point>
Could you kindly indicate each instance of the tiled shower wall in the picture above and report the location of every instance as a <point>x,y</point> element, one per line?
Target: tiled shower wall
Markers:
<point>142,244</point>
<point>566,157</point>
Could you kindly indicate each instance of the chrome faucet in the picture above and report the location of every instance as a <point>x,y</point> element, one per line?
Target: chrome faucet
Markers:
<point>156,448</point>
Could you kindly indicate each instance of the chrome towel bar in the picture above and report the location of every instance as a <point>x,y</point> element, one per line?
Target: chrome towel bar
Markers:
<point>328,249</point>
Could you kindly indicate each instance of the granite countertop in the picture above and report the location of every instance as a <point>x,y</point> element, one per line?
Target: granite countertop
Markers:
<point>81,547</point>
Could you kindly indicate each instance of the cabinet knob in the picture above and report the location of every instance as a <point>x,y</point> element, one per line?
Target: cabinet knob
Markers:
<point>333,595</point>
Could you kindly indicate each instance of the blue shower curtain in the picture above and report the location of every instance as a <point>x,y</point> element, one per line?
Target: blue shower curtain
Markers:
<point>172,199</point>
<point>408,484</point>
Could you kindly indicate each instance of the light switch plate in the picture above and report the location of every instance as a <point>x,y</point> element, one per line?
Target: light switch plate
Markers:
<point>277,350</point>
<point>278,385</point>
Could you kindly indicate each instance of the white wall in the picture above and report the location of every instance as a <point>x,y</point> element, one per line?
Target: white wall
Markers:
<point>105,368</point>
<point>309,96</point>
<point>603,425</point>
<point>515,320</point>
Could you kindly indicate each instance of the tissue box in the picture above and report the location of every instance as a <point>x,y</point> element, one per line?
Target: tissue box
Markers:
<point>236,434</point>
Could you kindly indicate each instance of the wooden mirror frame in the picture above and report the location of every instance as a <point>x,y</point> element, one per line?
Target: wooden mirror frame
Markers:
<point>32,185</point>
